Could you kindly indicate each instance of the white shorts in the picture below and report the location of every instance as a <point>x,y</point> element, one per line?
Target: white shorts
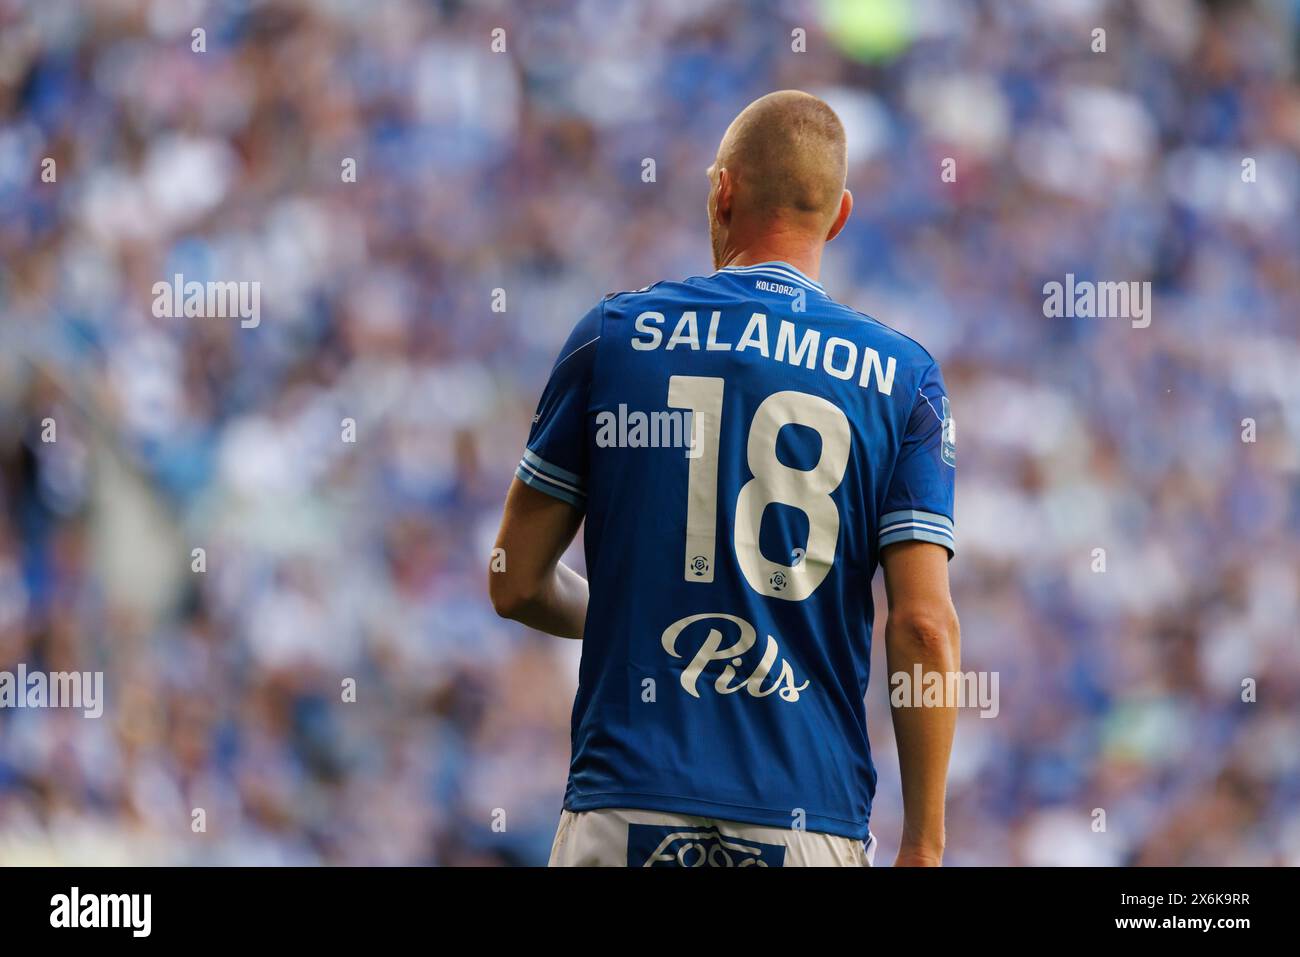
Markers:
<point>619,837</point>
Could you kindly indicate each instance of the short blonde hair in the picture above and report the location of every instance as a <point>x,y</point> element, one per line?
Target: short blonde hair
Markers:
<point>786,152</point>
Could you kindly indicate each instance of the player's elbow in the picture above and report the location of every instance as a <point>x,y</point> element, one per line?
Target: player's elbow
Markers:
<point>931,634</point>
<point>511,595</point>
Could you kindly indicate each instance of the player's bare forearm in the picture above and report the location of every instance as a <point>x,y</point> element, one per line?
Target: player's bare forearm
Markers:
<point>559,607</point>
<point>527,581</point>
<point>922,629</point>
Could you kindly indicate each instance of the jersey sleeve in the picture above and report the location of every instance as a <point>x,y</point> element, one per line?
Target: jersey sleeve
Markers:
<point>918,504</point>
<point>555,460</point>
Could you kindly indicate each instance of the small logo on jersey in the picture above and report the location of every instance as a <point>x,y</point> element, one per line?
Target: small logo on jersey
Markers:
<point>711,651</point>
<point>699,566</point>
<point>949,435</point>
<point>778,581</point>
<point>655,845</point>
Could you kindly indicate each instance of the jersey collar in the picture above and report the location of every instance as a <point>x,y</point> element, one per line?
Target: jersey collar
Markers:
<point>775,270</point>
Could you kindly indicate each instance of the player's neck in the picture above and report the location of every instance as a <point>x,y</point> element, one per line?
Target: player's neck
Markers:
<point>807,260</point>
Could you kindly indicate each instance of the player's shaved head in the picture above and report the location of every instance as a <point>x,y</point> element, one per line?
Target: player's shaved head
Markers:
<point>781,165</point>
<point>787,153</point>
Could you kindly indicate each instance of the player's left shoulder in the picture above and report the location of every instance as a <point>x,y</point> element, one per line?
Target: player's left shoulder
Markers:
<point>915,362</point>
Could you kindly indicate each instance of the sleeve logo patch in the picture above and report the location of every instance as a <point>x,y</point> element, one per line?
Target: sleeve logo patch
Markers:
<point>949,435</point>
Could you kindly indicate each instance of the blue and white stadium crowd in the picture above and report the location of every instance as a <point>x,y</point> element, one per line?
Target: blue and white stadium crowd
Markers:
<point>323,560</point>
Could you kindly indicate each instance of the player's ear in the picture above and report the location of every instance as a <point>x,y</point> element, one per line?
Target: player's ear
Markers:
<point>723,196</point>
<point>841,216</point>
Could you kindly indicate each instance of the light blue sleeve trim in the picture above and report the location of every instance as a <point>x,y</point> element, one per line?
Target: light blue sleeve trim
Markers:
<point>534,479</point>
<point>915,515</point>
<point>553,472</point>
<point>913,532</point>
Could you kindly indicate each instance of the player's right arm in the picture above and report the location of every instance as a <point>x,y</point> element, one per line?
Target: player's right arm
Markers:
<point>548,498</point>
<point>922,629</point>
<point>532,585</point>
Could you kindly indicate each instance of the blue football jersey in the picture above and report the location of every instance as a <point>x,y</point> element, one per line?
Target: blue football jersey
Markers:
<point>742,446</point>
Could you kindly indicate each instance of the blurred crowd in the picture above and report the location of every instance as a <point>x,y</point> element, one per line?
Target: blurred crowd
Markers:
<point>208,530</point>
